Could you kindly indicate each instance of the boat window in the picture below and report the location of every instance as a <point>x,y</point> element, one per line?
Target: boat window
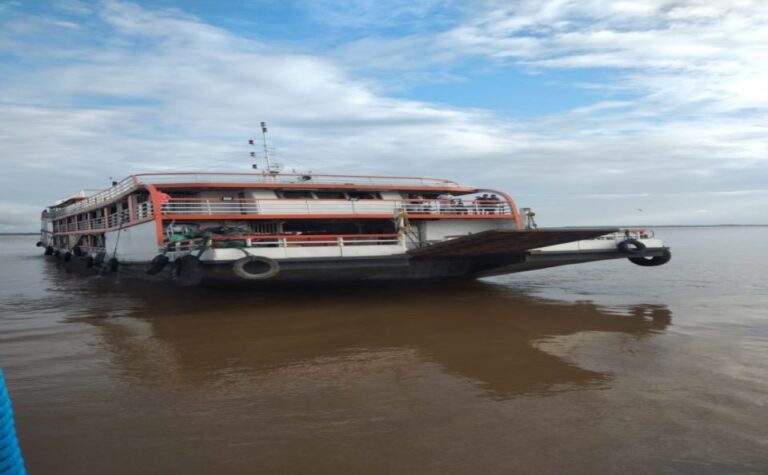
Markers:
<point>364,195</point>
<point>330,195</point>
<point>295,194</point>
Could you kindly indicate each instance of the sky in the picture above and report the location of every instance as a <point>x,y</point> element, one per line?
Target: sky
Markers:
<point>591,112</point>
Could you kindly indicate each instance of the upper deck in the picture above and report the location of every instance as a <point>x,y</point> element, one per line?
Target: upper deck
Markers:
<point>253,180</point>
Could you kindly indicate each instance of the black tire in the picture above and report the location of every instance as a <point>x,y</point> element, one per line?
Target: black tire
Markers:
<point>157,264</point>
<point>57,253</point>
<point>49,251</point>
<point>78,251</point>
<point>631,246</point>
<point>39,244</point>
<point>67,256</point>
<point>113,264</point>
<point>187,271</point>
<point>652,261</point>
<point>255,268</point>
<point>90,262</point>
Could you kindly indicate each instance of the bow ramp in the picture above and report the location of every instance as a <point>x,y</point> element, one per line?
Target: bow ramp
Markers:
<point>507,241</point>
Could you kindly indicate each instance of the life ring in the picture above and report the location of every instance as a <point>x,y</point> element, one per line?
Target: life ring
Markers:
<point>187,271</point>
<point>631,246</point>
<point>49,250</point>
<point>652,261</point>
<point>255,268</point>
<point>157,264</point>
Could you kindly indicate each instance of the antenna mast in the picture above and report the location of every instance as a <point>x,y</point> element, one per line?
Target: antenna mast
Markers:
<point>272,169</point>
<point>266,151</point>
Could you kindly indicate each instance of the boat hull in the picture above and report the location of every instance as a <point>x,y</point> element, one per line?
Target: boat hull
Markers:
<point>357,269</point>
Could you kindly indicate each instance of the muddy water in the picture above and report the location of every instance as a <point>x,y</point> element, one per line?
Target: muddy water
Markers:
<point>606,367</point>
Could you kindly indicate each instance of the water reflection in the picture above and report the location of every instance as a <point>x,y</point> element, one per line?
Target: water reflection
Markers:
<point>487,334</point>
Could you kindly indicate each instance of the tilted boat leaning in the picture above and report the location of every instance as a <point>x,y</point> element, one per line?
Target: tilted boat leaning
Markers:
<point>227,228</point>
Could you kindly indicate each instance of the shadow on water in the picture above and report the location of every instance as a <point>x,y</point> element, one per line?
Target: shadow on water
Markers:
<point>486,333</point>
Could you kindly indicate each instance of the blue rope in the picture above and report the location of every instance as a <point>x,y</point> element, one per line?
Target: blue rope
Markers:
<point>11,462</point>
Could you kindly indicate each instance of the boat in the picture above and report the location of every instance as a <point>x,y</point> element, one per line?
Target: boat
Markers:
<point>252,229</point>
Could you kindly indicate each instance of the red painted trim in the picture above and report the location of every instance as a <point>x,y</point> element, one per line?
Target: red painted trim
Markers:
<point>157,213</point>
<point>512,206</point>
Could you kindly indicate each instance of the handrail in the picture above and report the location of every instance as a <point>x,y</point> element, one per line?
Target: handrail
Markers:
<point>271,206</point>
<point>301,236</point>
<point>132,182</point>
<point>285,240</point>
<point>123,188</point>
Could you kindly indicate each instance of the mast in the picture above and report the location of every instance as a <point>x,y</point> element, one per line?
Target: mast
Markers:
<point>271,169</point>
<point>266,151</point>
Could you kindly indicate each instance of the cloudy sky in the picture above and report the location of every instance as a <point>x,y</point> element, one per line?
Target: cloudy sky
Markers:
<point>593,112</point>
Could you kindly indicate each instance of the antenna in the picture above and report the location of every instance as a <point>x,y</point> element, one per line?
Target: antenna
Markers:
<point>273,169</point>
<point>266,151</point>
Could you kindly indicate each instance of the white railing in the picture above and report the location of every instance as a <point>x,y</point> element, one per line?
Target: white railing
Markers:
<point>628,233</point>
<point>101,198</point>
<point>211,207</point>
<point>117,219</point>
<point>281,241</point>
<point>130,183</point>
<point>142,210</point>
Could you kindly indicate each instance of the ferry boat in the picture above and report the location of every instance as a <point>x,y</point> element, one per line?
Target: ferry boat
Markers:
<point>264,227</point>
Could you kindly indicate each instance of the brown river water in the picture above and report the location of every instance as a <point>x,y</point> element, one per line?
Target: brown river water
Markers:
<point>599,368</point>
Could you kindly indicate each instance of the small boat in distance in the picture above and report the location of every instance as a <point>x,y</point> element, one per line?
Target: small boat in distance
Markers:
<point>263,227</point>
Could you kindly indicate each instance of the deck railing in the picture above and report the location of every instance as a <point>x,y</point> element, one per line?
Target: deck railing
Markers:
<point>132,182</point>
<point>114,220</point>
<point>101,198</point>
<point>212,207</point>
<point>280,241</point>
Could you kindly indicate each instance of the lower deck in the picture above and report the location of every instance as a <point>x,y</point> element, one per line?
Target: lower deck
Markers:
<point>242,266</point>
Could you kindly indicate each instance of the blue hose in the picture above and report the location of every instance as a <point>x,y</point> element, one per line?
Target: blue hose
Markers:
<point>11,462</point>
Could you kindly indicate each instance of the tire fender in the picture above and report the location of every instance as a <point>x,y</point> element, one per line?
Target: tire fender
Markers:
<point>652,261</point>
<point>187,271</point>
<point>240,268</point>
<point>631,246</point>
<point>157,264</point>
